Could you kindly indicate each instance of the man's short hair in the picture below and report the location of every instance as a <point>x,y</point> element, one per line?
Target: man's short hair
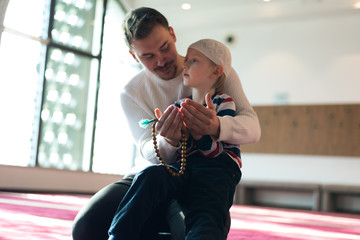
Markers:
<point>139,23</point>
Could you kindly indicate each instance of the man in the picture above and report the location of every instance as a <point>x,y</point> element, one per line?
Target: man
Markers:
<point>151,42</point>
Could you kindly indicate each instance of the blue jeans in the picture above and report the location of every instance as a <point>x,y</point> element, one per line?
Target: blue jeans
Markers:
<point>205,192</point>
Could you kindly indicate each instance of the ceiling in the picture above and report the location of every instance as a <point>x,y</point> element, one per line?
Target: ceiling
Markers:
<point>208,13</point>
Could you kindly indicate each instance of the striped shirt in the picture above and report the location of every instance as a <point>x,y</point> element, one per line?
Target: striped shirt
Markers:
<point>206,145</point>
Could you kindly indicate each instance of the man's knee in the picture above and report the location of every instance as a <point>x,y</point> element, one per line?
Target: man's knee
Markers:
<point>83,229</point>
<point>79,230</point>
<point>152,173</point>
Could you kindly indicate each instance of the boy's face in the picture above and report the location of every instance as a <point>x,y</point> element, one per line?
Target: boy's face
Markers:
<point>198,70</point>
<point>157,52</point>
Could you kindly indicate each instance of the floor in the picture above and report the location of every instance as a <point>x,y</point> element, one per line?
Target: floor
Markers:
<point>31,216</point>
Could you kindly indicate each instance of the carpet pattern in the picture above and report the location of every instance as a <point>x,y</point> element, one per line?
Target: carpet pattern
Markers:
<point>254,223</point>
<point>38,216</point>
<point>25,216</point>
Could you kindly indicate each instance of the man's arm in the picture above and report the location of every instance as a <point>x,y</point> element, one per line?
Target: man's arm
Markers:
<point>135,111</point>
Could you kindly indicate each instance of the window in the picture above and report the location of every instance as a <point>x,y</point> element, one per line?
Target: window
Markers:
<point>113,140</point>
<point>60,66</point>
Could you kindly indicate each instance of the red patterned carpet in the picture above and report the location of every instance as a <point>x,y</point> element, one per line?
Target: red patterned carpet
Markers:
<point>253,223</point>
<point>49,217</point>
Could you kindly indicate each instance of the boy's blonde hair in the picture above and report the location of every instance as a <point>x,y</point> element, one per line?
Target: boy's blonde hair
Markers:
<point>219,84</point>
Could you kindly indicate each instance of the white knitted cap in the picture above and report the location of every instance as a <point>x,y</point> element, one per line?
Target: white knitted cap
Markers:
<point>216,52</point>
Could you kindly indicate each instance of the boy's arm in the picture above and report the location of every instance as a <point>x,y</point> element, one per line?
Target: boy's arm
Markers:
<point>244,128</point>
<point>209,146</point>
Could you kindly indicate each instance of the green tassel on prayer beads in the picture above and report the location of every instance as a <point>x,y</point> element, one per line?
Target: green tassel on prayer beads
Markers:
<point>145,122</point>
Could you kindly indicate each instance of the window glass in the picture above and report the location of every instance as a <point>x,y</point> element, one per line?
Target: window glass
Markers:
<point>50,87</point>
<point>77,24</point>
<point>114,148</point>
<point>67,110</point>
<point>28,17</point>
<point>20,76</point>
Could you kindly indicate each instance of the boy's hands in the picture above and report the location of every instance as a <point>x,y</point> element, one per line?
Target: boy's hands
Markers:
<point>201,120</point>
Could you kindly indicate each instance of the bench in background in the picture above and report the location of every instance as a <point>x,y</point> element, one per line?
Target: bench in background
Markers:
<point>316,197</point>
<point>279,194</point>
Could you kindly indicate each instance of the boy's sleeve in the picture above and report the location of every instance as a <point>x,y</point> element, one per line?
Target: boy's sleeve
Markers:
<point>210,147</point>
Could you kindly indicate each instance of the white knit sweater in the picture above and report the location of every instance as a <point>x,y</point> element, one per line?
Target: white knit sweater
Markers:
<point>145,92</point>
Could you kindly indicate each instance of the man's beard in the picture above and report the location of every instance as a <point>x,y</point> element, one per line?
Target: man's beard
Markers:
<point>172,67</point>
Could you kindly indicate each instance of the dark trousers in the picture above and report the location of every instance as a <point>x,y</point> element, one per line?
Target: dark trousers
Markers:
<point>94,219</point>
<point>205,190</point>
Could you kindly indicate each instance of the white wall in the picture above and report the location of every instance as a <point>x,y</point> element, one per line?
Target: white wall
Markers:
<point>313,60</point>
<point>301,168</point>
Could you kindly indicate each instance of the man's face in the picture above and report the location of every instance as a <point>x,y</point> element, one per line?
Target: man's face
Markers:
<point>157,53</point>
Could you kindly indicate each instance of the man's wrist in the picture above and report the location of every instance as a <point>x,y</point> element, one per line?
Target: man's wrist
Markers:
<point>172,142</point>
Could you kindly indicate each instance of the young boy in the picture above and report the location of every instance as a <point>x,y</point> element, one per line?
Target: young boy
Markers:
<point>212,171</point>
